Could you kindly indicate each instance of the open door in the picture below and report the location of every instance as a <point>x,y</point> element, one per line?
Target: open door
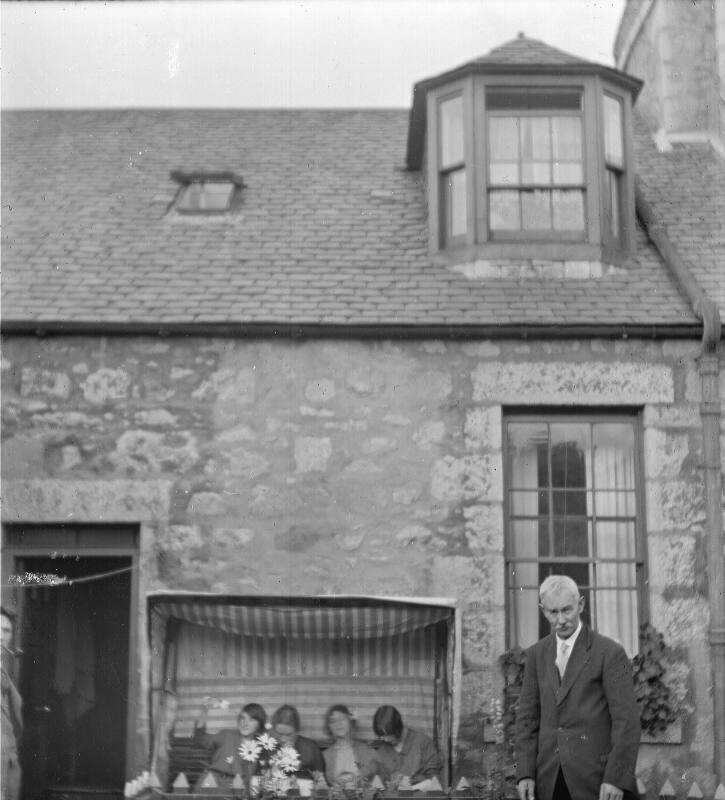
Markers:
<point>73,636</point>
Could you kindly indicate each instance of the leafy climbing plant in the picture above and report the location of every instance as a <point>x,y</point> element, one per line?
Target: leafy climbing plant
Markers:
<point>657,704</point>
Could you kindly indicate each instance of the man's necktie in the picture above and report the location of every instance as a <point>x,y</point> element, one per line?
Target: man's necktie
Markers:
<point>562,658</point>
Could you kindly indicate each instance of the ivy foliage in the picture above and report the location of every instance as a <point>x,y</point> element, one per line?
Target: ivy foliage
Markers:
<point>657,706</point>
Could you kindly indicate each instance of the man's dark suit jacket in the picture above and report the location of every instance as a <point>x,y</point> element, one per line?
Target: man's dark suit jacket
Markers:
<point>587,724</point>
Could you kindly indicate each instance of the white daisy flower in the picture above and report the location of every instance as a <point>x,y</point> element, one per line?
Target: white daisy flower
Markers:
<point>287,759</point>
<point>267,742</point>
<point>250,751</point>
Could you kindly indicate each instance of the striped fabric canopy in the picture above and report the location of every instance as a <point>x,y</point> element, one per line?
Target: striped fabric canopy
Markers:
<point>310,651</point>
<point>315,620</point>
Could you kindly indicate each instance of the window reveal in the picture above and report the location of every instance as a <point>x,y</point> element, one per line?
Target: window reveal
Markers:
<point>572,509</point>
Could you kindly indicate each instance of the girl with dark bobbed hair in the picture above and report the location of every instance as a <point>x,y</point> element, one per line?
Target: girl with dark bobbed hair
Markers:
<point>225,760</point>
<point>346,758</point>
<point>403,751</point>
<point>286,730</point>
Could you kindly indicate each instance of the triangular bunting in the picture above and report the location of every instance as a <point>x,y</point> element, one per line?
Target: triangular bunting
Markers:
<point>462,785</point>
<point>435,785</point>
<point>377,783</point>
<point>154,781</point>
<point>237,783</point>
<point>694,791</point>
<point>209,782</point>
<point>719,793</point>
<point>181,782</point>
<point>667,789</point>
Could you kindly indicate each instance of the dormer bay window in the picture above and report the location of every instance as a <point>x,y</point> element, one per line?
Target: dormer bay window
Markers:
<point>527,153</point>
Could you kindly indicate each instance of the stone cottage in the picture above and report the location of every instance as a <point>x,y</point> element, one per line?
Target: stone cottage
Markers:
<point>384,369</point>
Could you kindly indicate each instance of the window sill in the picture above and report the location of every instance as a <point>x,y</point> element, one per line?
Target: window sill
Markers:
<point>671,735</point>
<point>540,251</point>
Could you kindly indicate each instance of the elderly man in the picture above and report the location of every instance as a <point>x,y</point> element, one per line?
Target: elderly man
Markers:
<point>577,726</point>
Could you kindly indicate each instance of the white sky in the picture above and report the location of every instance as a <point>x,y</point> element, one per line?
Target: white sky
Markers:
<point>269,53</point>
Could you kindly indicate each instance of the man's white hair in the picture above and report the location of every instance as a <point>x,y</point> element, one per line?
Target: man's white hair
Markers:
<point>558,583</point>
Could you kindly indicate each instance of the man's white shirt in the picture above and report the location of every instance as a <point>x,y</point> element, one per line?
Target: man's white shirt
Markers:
<point>566,645</point>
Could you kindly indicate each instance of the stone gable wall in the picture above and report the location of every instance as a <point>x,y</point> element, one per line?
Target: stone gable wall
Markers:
<point>677,54</point>
<point>268,467</point>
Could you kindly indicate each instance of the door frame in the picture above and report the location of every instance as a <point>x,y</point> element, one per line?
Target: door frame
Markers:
<point>72,541</point>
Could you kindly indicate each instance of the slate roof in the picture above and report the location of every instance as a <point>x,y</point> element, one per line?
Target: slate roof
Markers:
<point>523,50</point>
<point>331,231</point>
<point>686,187</point>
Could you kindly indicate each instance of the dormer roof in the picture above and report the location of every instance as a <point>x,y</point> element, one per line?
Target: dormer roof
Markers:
<point>520,56</point>
<point>523,50</point>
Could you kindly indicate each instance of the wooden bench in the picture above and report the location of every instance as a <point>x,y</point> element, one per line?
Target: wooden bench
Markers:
<point>188,757</point>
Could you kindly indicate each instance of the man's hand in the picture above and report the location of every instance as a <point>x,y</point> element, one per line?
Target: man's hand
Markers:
<point>608,792</point>
<point>526,789</point>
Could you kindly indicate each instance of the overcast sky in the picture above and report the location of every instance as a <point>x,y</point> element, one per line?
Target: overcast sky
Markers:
<point>269,53</point>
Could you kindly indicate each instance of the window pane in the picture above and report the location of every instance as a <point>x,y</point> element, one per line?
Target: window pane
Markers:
<point>524,611</point>
<point>503,135</point>
<point>455,203</point>
<point>566,138</point>
<point>615,504</point>
<point>612,209</point>
<point>503,209</point>
<point>613,456</point>
<point>567,502</point>
<point>571,537</point>
<point>451,128</point>
<point>617,617</point>
<point>568,208</point>
<point>614,576</point>
<point>570,453</point>
<point>504,172</point>
<point>615,540</point>
<point>536,172</point>
<point>527,447</point>
<point>525,539</point>
<point>528,504</point>
<point>532,99</point>
<point>613,138</point>
<point>565,172</point>
<point>535,139</point>
<point>536,210</point>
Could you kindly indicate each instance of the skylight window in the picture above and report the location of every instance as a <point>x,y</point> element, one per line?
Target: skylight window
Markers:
<point>207,192</point>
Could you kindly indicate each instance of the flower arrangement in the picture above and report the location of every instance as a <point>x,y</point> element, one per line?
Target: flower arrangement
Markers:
<point>276,763</point>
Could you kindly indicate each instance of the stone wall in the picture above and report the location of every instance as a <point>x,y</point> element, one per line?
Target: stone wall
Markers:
<point>673,47</point>
<point>267,467</point>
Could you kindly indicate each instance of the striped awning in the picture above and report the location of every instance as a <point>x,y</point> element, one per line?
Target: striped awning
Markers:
<point>311,620</point>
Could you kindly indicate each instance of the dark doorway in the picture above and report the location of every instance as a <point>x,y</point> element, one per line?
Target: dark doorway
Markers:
<point>75,674</point>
